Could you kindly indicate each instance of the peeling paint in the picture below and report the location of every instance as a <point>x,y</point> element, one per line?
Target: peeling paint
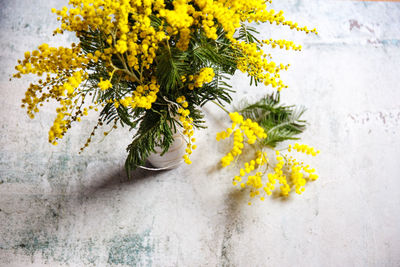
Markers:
<point>388,119</point>
<point>131,250</point>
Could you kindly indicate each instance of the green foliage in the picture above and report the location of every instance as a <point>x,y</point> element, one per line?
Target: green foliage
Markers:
<point>153,131</point>
<point>155,126</point>
<point>172,64</point>
<point>218,54</point>
<point>280,122</point>
<point>217,90</point>
<point>91,41</point>
<point>247,33</point>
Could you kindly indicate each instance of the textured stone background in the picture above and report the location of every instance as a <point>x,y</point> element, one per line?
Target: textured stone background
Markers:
<point>59,208</point>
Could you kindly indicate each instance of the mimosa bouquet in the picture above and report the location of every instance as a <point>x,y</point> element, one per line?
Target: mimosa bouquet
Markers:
<point>151,65</point>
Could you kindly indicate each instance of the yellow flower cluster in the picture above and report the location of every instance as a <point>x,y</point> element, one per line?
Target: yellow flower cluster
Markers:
<point>180,20</point>
<point>254,62</point>
<point>270,16</point>
<point>304,149</point>
<point>65,71</point>
<point>187,124</point>
<point>59,128</point>
<point>52,60</point>
<point>143,97</point>
<point>253,181</point>
<point>282,44</point>
<point>277,175</point>
<point>104,85</point>
<point>240,128</point>
<point>283,168</point>
<point>298,173</point>
<point>205,76</point>
<point>112,19</point>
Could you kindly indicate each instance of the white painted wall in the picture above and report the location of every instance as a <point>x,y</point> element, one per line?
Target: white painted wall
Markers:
<point>59,208</point>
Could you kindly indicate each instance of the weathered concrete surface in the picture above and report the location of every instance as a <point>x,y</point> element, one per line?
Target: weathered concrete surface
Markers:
<point>59,208</point>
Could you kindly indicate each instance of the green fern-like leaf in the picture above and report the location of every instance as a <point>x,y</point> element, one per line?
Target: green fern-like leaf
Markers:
<point>280,122</point>
<point>247,33</point>
<point>171,66</point>
<point>153,131</point>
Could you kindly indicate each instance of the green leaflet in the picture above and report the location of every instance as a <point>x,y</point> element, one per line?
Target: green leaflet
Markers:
<point>280,122</point>
<point>153,131</point>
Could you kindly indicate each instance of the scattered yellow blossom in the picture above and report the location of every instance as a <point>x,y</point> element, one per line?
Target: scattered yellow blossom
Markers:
<point>104,85</point>
<point>187,124</point>
<point>240,128</point>
<point>291,174</point>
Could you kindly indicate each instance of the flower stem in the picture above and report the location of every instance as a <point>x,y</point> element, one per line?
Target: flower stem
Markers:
<point>219,105</point>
